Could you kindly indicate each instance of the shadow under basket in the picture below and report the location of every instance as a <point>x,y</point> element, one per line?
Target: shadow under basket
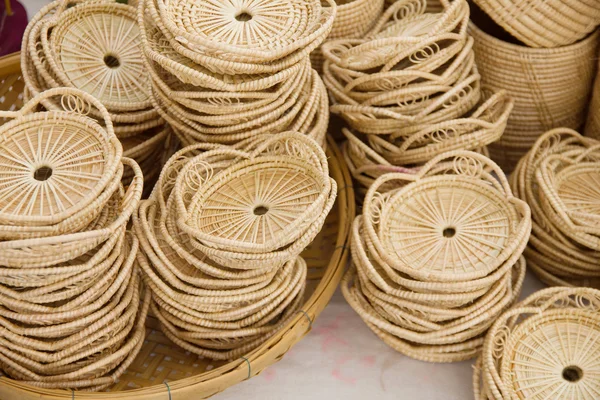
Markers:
<point>164,371</point>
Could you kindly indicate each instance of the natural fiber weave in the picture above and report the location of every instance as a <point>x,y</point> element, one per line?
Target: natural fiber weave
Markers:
<point>542,100</point>
<point>544,347</point>
<point>559,250</point>
<point>436,256</point>
<point>544,23</point>
<point>592,127</point>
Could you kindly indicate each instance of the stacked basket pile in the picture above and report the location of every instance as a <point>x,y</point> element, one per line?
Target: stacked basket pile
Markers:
<point>95,47</point>
<point>354,18</point>
<point>560,179</point>
<point>437,260</point>
<point>73,307</point>
<point>410,90</point>
<point>222,72</point>
<point>546,347</point>
<point>551,80</point>
<point>222,235</point>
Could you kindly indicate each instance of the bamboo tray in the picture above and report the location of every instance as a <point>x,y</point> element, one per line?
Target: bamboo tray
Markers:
<point>163,371</point>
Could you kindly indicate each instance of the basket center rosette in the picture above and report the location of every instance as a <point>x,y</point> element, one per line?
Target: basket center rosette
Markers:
<point>72,303</point>
<point>436,255</point>
<point>545,346</point>
<point>222,235</point>
<point>559,179</point>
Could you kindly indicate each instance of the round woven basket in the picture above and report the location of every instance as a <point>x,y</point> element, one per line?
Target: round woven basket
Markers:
<point>544,23</point>
<point>354,18</point>
<point>169,371</point>
<point>547,346</point>
<point>551,88</point>
<point>592,128</point>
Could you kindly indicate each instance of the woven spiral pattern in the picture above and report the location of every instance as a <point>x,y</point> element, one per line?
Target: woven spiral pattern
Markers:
<point>592,127</point>
<point>559,179</point>
<point>73,304</point>
<point>95,47</point>
<point>222,235</point>
<point>541,101</point>
<point>544,23</point>
<point>544,347</point>
<point>436,256</point>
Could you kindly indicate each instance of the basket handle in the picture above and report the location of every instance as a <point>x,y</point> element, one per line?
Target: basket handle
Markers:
<point>132,196</point>
<point>71,100</point>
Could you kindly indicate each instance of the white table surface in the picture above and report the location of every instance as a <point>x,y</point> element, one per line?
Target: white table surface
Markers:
<point>342,359</point>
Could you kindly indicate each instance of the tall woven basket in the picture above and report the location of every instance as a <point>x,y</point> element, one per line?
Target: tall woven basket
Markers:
<point>551,88</point>
<point>592,128</point>
<point>164,371</point>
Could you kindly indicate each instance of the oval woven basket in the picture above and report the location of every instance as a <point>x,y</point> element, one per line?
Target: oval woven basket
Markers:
<point>164,371</point>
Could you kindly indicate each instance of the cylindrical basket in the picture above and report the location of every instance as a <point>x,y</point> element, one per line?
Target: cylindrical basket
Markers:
<point>162,370</point>
<point>592,128</point>
<point>551,88</point>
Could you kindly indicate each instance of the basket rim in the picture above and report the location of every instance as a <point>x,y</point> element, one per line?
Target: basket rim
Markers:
<point>268,353</point>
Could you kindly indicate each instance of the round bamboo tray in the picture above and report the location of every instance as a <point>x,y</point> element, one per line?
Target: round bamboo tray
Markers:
<point>163,370</point>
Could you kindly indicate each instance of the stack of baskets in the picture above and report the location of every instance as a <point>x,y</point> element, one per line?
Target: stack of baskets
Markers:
<point>222,235</point>
<point>436,260</point>
<point>550,81</point>
<point>592,128</point>
<point>546,347</point>
<point>73,304</point>
<point>222,72</point>
<point>354,19</point>
<point>95,46</point>
<point>559,178</point>
<point>410,90</point>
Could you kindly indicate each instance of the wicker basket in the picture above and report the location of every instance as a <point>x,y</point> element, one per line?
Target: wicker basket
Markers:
<point>547,346</point>
<point>592,128</point>
<point>544,23</point>
<point>410,280</point>
<point>554,252</point>
<point>354,19</point>
<point>551,88</point>
<point>163,370</point>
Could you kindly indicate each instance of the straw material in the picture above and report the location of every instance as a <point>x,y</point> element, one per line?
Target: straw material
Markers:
<point>547,346</point>
<point>592,128</point>
<point>544,23</point>
<point>354,18</point>
<point>558,179</point>
<point>222,235</point>
<point>73,305</point>
<point>542,100</point>
<point>225,84</point>
<point>436,256</point>
<point>111,67</point>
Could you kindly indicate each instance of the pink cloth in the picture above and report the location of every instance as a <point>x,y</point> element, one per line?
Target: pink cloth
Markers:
<point>12,27</point>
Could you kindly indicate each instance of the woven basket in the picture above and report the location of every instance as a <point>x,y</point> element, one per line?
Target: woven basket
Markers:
<point>551,88</point>
<point>171,371</point>
<point>552,253</point>
<point>592,128</point>
<point>544,347</point>
<point>354,18</point>
<point>544,23</point>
